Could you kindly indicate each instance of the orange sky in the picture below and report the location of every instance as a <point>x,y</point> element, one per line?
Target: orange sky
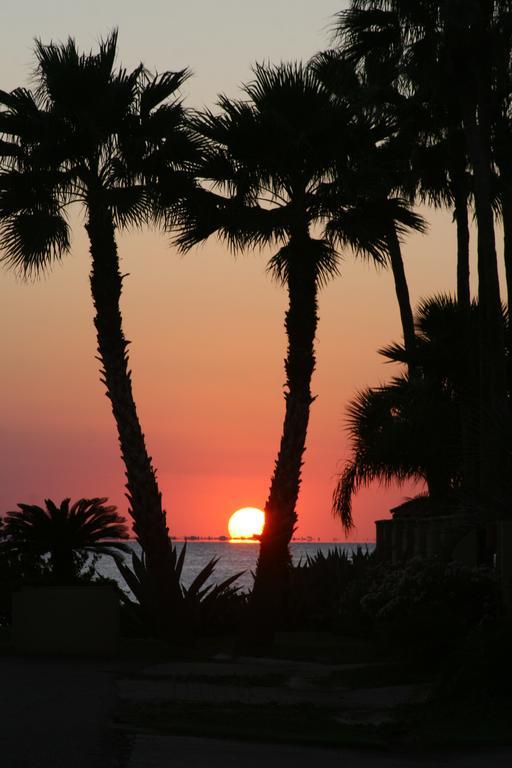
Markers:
<point>207,337</point>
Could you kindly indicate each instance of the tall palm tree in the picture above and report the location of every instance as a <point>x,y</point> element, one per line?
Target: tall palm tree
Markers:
<point>107,139</point>
<point>273,175</point>
<point>462,32</point>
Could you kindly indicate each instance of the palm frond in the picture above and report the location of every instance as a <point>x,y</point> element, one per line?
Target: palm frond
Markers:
<point>204,212</point>
<point>88,125</point>
<point>32,240</point>
<point>365,226</point>
<point>160,88</point>
<point>320,253</point>
<point>130,205</point>
<point>89,525</point>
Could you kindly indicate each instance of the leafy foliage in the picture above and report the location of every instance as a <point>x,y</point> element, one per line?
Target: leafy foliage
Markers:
<point>426,607</point>
<point>287,157</point>
<point>318,584</point>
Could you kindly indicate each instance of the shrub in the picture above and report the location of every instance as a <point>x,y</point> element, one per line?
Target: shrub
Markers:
<point>425,608</point>
<point>318,585</point>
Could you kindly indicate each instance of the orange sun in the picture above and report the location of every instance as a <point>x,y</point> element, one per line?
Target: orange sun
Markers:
<point>246,523</point>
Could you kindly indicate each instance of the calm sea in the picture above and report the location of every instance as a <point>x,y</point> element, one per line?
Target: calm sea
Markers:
<point>233,557</point>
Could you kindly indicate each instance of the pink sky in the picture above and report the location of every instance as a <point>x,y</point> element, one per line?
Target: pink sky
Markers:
<point>207,330</point>
<point>207,355</point>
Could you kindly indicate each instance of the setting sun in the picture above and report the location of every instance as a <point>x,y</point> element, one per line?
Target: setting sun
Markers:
<point>246,523</point>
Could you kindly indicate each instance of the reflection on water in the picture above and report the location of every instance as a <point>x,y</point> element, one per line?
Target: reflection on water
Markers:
<point>231,559</point>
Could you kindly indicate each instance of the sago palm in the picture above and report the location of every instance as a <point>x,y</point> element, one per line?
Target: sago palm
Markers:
<point>273,176</point>
<point>63,531</point>
<point>107,139</point>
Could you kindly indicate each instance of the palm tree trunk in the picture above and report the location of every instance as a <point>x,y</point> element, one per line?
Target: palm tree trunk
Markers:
<point>469,42</point>
<point>467,387</point>
<point>402,295</point>
<point>462,225</point>
<point>274,560</point>
<point>493,400</point>
<point>506,209</point>
<point>143,494</point>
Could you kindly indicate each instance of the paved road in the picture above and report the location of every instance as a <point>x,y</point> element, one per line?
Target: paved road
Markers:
<point>188,752</point>
<point>55,713</point>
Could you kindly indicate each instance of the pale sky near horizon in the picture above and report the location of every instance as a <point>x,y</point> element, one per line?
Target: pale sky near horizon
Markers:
<point>206,330</point>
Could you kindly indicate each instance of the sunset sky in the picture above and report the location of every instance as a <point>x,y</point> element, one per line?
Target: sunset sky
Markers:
<point>206,329</point>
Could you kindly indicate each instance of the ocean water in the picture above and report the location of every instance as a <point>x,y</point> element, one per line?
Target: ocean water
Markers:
<point>232,557</point>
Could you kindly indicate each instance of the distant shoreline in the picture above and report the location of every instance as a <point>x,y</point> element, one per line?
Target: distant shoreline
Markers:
<point>303,540</point>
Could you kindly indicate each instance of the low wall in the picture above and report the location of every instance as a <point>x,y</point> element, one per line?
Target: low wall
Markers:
<point>81,619</point>
<point>403,538</point>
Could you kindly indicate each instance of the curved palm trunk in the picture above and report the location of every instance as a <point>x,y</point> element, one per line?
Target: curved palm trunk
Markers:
<point>280,516</point>
<point>143,492</point>
<point>402,295</point>
<point>506,207</point>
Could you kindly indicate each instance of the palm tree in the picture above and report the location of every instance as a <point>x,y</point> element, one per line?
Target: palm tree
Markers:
<point>405,430</point>
<point>109,140</point>
<point>410,429</point>
<point>274,176</point>
<point>462,33</point>
<point>63,532</point>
